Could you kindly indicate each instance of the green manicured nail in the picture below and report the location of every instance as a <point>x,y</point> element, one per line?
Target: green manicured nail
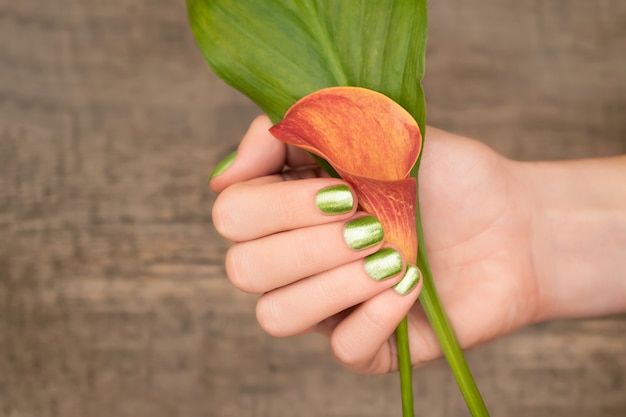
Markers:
<point>409,280</point>
<point>337,199</point>
<point>383,264</point>
<point>223,165</point>
<point>363,233</point>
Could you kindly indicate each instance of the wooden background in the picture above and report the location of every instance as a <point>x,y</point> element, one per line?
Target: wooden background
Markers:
<point>113,299</point>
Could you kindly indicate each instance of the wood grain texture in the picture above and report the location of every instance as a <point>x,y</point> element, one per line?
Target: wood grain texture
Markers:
<point>113,297</point>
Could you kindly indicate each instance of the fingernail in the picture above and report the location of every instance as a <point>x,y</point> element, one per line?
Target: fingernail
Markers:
<point>409,280</point>
<point>223,165</point>
<point>363,233</point>
<point>337,199</point>
<point>383,264</point>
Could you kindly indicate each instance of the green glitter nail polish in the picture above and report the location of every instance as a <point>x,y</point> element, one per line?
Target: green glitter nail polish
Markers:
<point>223,165</point>
<point>363,233</point>
<point>337,199</point>
<point>409,280</point>
<point>383,264</point>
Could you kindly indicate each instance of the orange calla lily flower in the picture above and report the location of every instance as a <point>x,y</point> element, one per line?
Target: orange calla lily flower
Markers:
<point>372,142</point>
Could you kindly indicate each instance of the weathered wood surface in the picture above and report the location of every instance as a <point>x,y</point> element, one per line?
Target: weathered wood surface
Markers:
<point>113,300</point>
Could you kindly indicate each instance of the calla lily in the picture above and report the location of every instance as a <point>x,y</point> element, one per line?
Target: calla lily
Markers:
<point>372,143</point>
<point>276,52</point>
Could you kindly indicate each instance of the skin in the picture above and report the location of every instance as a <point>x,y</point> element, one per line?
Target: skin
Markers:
<point>510,244</point>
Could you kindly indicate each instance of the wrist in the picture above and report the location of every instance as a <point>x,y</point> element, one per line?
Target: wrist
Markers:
<point>579,236</point>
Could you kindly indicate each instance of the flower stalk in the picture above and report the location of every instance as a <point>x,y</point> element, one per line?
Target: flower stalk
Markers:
<point>405,368</point>
<point>358,132</point>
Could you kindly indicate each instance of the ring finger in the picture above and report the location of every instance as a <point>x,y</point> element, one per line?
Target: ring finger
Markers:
<point>295,308</point>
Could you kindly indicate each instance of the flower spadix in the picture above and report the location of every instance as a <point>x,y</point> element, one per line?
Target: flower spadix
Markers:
<point>372,143</point>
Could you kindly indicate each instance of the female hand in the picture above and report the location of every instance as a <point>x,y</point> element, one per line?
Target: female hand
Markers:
<point>300,258</point>
<point>488,236</point>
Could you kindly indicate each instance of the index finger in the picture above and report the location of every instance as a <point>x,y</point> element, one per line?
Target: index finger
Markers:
<point>268,205</point>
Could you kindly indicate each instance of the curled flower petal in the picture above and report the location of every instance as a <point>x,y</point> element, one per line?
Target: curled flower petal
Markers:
<point>372,142</point>
<point>356,129</point>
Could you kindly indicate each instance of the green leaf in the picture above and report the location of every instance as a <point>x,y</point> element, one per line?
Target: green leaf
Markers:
<point>278,51</point>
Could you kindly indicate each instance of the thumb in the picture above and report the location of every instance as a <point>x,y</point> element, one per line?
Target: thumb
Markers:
<point>259,154</point>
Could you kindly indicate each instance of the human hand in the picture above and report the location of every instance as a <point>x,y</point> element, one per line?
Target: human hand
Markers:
<point>483,230</point>
<point>297,256</point>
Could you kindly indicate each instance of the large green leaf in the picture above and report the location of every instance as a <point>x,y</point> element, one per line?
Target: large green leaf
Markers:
<point>278,51</point>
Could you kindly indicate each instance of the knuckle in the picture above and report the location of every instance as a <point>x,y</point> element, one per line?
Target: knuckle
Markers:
<point>282,206</point>
<point>331,288</point>
<point>373,322</point>
<point>270,317</point>
<point>236,269</point>
<point>380,363</point>
<point>225,214</point>
<point>308,248</point>
<point>351,346</point>
<point>345,352</point>
<point>220,216</point>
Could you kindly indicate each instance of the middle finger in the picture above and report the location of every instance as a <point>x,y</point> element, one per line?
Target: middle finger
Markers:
<point>274,261</point>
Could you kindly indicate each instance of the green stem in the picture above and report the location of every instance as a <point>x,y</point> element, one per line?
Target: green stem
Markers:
<point>441,325</point>
<point>404,366</point>
<point>445,334</point>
